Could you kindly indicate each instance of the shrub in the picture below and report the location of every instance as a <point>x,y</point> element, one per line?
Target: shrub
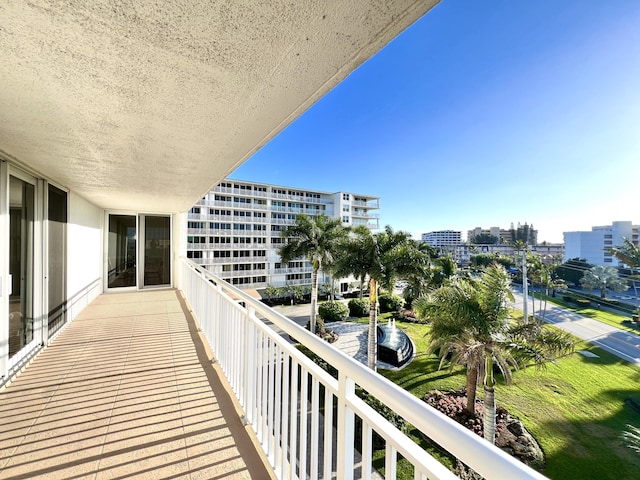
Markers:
<point>358,307</point>
<point>322,331</point>
<point>390,303</point>
<point>582,302</point>
<point>408,316</point>
<point>333,311</point>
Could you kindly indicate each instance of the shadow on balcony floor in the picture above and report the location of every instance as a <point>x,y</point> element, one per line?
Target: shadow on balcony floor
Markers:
<point>126,390</point>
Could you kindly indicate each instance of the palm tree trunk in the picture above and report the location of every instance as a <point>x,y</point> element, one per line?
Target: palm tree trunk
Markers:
<point>472,384</point>
<point>314,298</point>
<point>332,287</point>
<point>533,302</point>
<point>489,419</point>
<point>372,342</point>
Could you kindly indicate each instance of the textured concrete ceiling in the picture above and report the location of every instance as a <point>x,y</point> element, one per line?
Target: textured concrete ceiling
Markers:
<point>146,105</point>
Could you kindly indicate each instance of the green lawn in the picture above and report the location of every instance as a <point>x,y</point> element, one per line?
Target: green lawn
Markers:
<point>575,409</point>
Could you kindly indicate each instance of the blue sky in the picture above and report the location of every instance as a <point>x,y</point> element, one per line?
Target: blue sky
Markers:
<point>482,114</point>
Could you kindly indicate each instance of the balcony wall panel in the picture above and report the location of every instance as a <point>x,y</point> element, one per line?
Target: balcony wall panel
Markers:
<point>85,244</point>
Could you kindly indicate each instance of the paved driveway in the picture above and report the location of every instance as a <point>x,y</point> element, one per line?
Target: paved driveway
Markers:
<point>619,342</point>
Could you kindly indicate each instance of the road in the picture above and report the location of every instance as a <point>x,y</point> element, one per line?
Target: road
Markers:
<point>618,342</point>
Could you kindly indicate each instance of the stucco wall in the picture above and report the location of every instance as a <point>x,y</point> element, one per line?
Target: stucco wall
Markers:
<point>84,243</point>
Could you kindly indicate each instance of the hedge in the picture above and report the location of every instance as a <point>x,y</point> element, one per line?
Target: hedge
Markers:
<point>333,311</point>
<point>390,303</point>
<point>358,307</point>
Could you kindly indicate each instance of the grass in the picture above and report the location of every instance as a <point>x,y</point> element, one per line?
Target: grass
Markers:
<point>619,320</point>
<point>575,409</point>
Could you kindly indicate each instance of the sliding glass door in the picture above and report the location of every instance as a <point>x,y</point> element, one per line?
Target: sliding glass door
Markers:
<point>157,250</point>
<point>139,251</point>
<point>57,258</point>
<point>121,251</point>
<point>21,262</point>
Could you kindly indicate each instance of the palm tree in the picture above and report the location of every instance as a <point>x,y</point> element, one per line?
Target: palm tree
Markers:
<point>317,239</point>
<point>353,258</point>
<point>629,254</point>
<point>520,246</point>
<point>603,279</point>
<point>443,268</point>
<point>384,257</point>
<point>470,323</point>
<point>538,273</point>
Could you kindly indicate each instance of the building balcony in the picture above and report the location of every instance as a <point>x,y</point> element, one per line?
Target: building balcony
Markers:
<point>364,214</point>
<point>163,381</point>
<point>366,204</point>
<point>285,270</point>
<point>225,246</point>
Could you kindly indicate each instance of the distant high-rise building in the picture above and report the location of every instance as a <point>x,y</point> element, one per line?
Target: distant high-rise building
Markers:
<point>444,241</point>
<point>594,245</point>
<point>525,232</point>
<point>235,230</point>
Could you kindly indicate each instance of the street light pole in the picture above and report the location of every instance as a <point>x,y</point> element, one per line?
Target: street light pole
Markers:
<point>525,287</point>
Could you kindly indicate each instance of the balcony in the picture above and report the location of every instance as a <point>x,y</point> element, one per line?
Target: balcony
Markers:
<point>368,204</point>
<point>276,387</point>
<point>129,387</point>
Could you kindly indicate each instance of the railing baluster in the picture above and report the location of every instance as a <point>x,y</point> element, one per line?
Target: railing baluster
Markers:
<point>367,444</point>
<point>250,374</point>
<point>265,394</point>
<point>390,461</point>
<point>303,422</point>
<point>286,394</point>
<point>294,419</point>
<point>277,405</point>
<point>328,433</point>
<point>346,420</point>
<point>315,430</point>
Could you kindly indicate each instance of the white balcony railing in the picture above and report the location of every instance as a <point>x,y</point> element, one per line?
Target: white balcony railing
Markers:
<point>310,424</point>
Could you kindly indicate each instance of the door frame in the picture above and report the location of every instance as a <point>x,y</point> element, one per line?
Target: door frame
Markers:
<point>36,290</point>
<point>140,251</point>
<point>141,222</point>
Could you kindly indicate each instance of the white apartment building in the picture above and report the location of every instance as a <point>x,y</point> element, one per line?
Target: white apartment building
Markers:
<point>445,241</point>
<point>547,251</point>
<point>235,230</point>
<point>593,245</point>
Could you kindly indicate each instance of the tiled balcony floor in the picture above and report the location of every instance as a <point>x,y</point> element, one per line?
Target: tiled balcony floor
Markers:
<point>125,391</point>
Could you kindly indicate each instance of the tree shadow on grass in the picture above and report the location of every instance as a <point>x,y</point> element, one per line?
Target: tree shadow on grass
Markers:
<point>595,449</point>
